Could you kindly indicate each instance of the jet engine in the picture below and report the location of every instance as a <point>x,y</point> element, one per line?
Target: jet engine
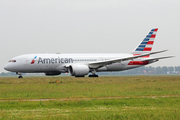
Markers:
<point>52,73</point>
<point>78,70</point>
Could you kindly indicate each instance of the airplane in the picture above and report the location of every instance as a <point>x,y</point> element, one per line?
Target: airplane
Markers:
<point>80,65</point>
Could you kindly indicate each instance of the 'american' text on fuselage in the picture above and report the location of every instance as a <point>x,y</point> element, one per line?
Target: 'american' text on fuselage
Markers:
<point>54,60</point>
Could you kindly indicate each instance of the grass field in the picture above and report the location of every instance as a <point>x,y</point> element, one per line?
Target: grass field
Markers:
<point>133,103</point>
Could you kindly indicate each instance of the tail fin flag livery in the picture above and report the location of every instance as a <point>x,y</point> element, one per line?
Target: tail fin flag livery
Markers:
<point>79,65</point>
<point>146,45</point>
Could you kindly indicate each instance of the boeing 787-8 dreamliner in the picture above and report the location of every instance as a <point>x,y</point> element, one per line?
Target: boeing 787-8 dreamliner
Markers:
<point>79,65</point>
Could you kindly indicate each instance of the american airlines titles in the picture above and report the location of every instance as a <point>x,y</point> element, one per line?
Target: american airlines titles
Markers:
<point>54,60</point>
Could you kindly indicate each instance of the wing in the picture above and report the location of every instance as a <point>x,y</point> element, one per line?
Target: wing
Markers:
<point>99,64</point>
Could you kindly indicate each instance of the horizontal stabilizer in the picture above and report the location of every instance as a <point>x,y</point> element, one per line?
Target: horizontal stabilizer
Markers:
<point>158,58</point>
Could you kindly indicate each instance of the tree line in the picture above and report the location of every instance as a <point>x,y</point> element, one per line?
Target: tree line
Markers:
<point>149,70</point>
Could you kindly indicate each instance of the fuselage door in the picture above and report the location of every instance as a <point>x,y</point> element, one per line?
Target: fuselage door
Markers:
<point>26,61</point>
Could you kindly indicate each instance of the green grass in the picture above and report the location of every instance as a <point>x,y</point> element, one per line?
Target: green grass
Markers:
<point>125,108</point>
<point>70,87</point>
<point>134,107</point>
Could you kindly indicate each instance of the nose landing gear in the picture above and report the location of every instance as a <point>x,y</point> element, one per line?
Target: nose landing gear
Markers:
<point>20,75</point>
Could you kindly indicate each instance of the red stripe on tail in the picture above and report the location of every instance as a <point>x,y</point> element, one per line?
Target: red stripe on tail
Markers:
<point>150,42</point>
<point>147,49</point>
<point>156,30</point>
<point>153,36</point>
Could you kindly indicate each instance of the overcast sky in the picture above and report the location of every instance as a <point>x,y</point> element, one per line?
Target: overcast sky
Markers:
<point>88,26</point>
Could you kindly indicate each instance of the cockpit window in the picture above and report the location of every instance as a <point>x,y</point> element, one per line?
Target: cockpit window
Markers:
<point>12,60</point>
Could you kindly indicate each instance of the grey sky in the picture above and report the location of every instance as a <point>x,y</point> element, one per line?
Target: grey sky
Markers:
<point>87,26</point>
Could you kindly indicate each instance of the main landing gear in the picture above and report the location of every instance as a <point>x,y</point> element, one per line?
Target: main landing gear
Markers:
<point>80,76</point>
<point>20,75</point>
<point>93,74</point>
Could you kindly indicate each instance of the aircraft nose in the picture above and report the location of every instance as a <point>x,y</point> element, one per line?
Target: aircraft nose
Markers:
<point>6,67</point>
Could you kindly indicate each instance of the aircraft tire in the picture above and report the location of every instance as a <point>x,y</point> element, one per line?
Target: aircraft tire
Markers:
<point>93,76</point>
<point>20,77</point>
<point>79,76</point>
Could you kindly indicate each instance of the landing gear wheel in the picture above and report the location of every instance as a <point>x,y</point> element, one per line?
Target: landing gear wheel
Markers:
<point>93,75</point>
<point>79,76</point>
<point>20,77</point>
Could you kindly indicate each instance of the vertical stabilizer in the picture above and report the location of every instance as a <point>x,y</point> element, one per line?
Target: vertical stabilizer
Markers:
<point>146,45</point>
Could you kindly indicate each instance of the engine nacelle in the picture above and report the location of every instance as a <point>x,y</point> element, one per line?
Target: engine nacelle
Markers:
<point>52,73</point>
<point>78,70</point>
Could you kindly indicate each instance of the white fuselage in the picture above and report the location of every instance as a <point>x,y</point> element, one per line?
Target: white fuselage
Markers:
<point>43,63</point>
